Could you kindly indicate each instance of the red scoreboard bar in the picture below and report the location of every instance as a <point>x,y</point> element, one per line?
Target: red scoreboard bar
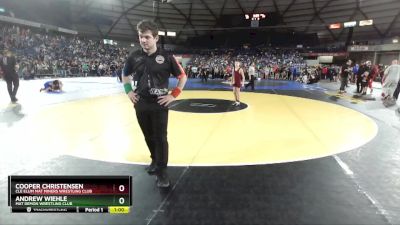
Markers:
<point>70,194</point>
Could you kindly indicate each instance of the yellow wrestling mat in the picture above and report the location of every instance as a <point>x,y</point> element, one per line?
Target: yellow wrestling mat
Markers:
<point>273,129</point>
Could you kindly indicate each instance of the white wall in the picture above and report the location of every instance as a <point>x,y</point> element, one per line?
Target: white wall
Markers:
<point>312,62</point>
<point>386,58</point>
<point>325,59</point>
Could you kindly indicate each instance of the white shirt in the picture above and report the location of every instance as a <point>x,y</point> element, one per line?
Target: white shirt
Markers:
<point>252,71</point>
<point>392,73</point>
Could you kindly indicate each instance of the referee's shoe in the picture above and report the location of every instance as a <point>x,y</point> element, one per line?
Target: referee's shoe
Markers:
<point>152,168</point>
<point>162,179</point>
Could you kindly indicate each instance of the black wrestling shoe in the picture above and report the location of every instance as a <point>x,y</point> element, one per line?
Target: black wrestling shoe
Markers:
<point>162,179</point>
<point>14,100</point>
<point>152,168</point>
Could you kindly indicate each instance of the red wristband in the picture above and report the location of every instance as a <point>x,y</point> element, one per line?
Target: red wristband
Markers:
<point>175,92</point>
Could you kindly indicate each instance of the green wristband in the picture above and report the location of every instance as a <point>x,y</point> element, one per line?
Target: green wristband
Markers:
<point>128,88</point>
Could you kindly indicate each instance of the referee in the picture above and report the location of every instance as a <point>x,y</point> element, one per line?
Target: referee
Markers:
<point>252,76</point>
<point>152,68</point>
<point>9,66</point>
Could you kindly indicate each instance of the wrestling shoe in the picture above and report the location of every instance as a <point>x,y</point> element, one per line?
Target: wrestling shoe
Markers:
<point>152,168</point>
<point>14,100</point>
<point>236,104</point>
<point>162,179</point>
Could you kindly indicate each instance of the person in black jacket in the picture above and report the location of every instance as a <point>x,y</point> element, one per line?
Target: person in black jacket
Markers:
<point>344,75</point>
<point>359,78</point>
<point>365,75</point>
<point>9,66</point>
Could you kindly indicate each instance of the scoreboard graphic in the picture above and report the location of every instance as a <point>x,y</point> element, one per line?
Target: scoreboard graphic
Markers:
<point>70,194</point>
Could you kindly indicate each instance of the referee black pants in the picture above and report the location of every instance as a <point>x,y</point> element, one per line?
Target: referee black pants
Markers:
<point>251,82</point>
<point>153,121</point>
<point>12,85</point>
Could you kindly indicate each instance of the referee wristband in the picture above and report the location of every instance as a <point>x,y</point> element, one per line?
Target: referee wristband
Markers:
<point>175,92</point>
<point>128,88</point>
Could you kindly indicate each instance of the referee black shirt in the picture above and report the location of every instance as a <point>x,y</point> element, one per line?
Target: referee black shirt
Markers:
<point>8,65</point>
<point>152,71</point>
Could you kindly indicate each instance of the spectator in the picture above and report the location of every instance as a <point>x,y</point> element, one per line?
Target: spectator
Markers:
<point>390,82</point>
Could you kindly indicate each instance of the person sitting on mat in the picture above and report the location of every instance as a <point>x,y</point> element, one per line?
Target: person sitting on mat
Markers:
<point>50,86</point>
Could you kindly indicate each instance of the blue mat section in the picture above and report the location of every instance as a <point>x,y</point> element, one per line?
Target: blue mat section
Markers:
<point>260,85</point>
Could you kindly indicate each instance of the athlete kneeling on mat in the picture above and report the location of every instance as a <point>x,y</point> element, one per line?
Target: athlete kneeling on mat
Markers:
<point>50,86</point>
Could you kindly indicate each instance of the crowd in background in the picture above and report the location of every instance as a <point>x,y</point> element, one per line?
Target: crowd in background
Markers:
<point>41,53</point>
<point>46,53</point>
<point>273,63</point>
<point>269,63</point>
